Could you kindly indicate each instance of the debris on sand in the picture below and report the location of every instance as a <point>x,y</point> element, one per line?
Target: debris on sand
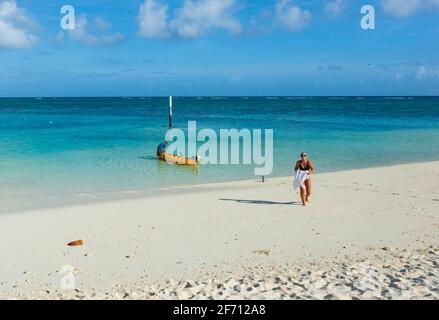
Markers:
<point>76,243</point>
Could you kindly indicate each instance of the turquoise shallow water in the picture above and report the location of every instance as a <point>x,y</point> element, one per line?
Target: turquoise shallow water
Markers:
<point>78,145</point>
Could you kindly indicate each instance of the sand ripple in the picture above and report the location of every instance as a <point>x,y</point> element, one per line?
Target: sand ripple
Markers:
<point>398,274</point>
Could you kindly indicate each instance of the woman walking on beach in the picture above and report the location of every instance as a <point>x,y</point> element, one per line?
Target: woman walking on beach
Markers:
<point>303,168</point>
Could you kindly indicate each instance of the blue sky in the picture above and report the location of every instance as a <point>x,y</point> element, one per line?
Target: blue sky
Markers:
<point>218,47</point>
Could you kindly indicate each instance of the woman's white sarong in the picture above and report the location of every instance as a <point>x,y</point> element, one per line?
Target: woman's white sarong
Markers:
<point>299,179</point>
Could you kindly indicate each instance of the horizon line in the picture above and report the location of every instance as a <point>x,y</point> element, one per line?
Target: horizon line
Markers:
<point>223,96</point>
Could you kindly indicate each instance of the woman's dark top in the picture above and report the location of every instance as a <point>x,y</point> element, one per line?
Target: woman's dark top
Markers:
<point>306,168</point>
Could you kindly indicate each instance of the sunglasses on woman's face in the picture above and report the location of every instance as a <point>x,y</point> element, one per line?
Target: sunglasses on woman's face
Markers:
<point>303,155</point>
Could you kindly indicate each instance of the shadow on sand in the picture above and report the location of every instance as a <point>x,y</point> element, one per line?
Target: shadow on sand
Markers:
<point>263,202</point>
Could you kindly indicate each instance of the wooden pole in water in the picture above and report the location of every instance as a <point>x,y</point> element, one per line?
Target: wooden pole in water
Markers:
<point>170,112</point>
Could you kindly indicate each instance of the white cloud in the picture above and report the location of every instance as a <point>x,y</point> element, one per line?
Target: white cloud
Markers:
<point>153,20</point>
<point>397,76</point>
<point>234,78</point>
<point>101,24</point>
<point>422,72</point>
<point>425,73</point>
<point>401,8</point>
<point>435,3</point>
<point>82,35</point>
<point>196,18</point>
<point>404,8</point>
<point>333,8</point>
<point>16,26</point>
<point>260,23</point>
<point>290,16</point>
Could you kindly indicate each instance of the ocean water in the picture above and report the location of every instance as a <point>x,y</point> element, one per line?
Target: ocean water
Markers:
<point>67,146</point>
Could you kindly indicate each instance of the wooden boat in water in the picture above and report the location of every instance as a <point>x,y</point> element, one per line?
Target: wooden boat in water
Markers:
<point>175,159</point>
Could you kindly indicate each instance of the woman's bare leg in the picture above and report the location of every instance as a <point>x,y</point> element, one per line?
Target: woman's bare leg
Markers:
<point>308,189</point>
<point>303,196</point>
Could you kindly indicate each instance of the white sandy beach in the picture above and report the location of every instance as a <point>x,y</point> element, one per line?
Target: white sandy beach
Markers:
<point>369,233</point>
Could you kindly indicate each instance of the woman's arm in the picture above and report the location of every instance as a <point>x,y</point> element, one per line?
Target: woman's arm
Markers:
<point>297,166</point>
<point>311,166</point>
